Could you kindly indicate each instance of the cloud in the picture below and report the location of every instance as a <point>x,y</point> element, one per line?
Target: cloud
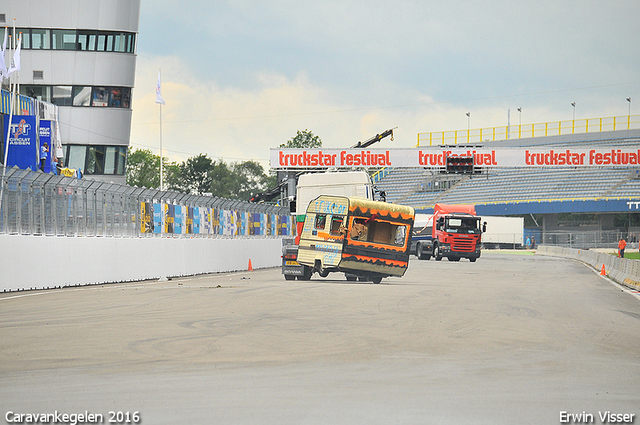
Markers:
<point>245,76</point>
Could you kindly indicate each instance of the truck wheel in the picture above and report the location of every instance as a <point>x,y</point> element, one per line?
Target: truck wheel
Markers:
<point>289,277</point>
<point>436,253</point>
<point>420,252</point>
<point>306,275</point>
<point>473,259</point>
<point>351,277</point>
<point>323,272</point>
<point>376,279</point>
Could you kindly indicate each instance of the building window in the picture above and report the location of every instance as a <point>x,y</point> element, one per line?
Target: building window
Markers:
<point>76,156</point>
<point>26,38</point>
<point>100,96</point>
<point>61,96</point>
<point>63,39</point>
<point>114,97</point>
<point>42,93</point>
<point>83,40</point>
<point>97,160</point>
<point>40,39</point>
<point>81,96</point>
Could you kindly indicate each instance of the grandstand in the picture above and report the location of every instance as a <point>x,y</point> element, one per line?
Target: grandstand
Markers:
<point>525,191</point>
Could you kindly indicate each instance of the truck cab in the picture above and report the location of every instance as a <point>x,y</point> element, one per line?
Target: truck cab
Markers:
<point>456,232</point>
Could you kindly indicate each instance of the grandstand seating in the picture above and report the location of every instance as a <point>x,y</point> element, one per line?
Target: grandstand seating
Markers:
<point>410,186</point>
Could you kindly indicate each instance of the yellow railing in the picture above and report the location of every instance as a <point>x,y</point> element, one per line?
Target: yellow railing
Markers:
<point>518,131</point>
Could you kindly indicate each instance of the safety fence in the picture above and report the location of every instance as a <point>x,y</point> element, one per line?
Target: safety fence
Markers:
<point>35,203</point>
<point>582,240</point>
<point>553,128</point>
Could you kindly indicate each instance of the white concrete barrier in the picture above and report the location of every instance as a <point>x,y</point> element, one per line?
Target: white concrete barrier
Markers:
<point>621,270</point>
<point>40,262</point>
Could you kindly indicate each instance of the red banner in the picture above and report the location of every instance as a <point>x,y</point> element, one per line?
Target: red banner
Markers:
<point>425,157</point>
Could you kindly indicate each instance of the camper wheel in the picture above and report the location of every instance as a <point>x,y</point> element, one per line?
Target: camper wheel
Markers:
<point>323,272</point>
<point>351,277</point>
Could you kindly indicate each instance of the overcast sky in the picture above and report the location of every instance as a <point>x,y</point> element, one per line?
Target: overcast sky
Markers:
<point>240,77</point>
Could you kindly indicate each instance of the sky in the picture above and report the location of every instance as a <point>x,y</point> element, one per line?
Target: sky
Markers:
<point>241,77</point>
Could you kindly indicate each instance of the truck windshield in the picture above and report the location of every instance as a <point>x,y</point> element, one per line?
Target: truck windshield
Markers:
<point>462,225</point>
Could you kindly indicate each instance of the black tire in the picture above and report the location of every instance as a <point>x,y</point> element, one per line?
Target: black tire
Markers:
<point>420,253</point>
<point>289,277</point>
<point>308,272</point>
<point>454,258</point>
<point>350,277</point>
<point>323,272</point>
<point>376,279</point>
<point>436,253</point>
<point>473,259</point>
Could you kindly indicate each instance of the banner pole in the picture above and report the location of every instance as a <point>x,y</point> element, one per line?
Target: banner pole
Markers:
<point>161,153</point>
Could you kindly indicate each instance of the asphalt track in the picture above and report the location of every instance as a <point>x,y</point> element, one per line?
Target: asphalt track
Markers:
<point>509,339</point>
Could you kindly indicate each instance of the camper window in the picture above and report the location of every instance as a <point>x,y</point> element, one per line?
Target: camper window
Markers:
<point>321,220</point>
<point>336,222</point>
<point>381,232</point>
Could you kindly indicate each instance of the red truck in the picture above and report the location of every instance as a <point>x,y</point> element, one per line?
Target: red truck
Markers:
<point>454,232</point>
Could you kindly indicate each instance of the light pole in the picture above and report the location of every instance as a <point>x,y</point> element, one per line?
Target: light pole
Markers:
<point>468,125</point>
<point>574,110</point>
<point>519,122</point>
<point>629,115</point>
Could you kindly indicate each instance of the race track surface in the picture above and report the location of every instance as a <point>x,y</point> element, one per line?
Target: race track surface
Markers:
<point>512,338</point>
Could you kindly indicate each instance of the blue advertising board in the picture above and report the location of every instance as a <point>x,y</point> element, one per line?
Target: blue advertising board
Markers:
<point>45,137</point>
<point>22,149</point>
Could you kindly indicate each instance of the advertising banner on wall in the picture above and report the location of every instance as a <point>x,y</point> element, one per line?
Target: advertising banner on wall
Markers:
<point>146,217</point>
<point>46,132</point>
<point>157,218</point>
<point>22,149</point>
<point>437,157</point>
<point>195,220</point>
<point>178,220</point>
<point>169,217</point>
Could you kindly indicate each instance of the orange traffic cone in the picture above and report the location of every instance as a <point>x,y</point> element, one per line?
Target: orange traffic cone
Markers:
<point>250,266</point>
<point>603,272</point>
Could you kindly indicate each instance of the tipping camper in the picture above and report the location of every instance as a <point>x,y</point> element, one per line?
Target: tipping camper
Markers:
<point>310,186</point>
<point>364,239</point>
<point>453,231</point>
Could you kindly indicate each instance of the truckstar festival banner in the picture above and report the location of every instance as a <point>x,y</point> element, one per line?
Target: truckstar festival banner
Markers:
<point>437,157</point>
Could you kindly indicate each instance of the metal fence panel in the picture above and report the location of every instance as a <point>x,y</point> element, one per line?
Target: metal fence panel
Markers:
<point>35,203</point>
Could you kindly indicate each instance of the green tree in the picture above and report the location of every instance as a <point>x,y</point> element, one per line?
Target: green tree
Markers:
<point>303,139</point>
<point>250,179</point>
<point>196,174</point>
<point>222,180</point>
<point>143,169</point>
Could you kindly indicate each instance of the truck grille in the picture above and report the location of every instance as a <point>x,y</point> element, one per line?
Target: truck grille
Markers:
<point>463,244</point>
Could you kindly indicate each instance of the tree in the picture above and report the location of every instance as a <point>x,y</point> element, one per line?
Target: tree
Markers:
<point>303,139</point>
<point>196,174</point>
<point>251,179</point>
<point>143,169</point>
<point>222,180</point>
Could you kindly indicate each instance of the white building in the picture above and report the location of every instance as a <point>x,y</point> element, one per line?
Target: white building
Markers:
<point>80,55</point>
